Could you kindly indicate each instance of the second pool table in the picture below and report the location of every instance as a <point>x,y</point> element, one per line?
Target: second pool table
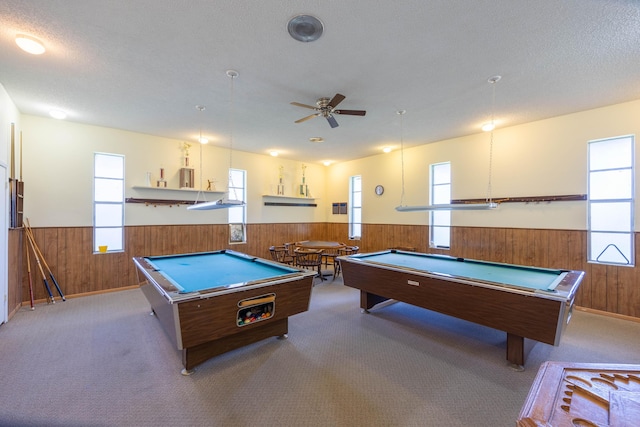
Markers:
<point>525,302</point>
<point>213,302</point>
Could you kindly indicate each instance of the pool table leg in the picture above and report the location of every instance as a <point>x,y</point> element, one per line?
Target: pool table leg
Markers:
<point>368,300</point>
<point>515,351</point>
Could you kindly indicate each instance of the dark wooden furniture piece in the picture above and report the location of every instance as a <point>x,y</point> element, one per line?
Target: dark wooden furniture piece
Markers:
<point>525,302</point>
<point>583,394</point>
<point>213,302</point>
<point>310,259</point>
<point>281,254</point>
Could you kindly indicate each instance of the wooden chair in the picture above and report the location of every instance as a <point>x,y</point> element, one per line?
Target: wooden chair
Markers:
<point>280,254</point>
<point>311,259</point>
<point>347,250</point>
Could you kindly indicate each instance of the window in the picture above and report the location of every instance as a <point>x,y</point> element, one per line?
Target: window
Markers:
<point>611,200</point>
<point>440,221</point>
<point>238,214</point>
<point>108,202</point>
<point>355,207</point>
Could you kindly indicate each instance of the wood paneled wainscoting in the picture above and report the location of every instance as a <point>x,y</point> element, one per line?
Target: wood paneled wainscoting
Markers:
<point>79,271</point>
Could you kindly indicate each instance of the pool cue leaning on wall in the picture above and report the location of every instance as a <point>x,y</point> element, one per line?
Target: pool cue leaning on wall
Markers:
<point>39,257</point>
<point>44,276</point>
<point>30,279</point>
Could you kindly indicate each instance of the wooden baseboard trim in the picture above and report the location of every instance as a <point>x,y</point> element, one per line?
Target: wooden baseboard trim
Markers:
<point>608,314</point>
<point>84,294</point>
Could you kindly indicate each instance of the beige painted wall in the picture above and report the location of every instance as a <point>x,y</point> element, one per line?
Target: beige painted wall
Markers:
<point>543,158</point>
<point>58,171</point>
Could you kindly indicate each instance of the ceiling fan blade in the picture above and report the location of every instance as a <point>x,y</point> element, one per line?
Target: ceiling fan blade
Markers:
<point>304,119</point>
<point>332,121</point>
<point>337,99</point>
<point>351,112</point>
<point>297,104</point>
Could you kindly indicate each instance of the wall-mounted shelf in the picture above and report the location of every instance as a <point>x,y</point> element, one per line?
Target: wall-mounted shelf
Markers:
<point>171,202</point>
<point>528,199</point>
<point>290,201</point>
<point>188,190</point>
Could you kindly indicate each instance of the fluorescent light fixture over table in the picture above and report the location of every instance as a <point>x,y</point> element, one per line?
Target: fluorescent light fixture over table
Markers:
<point>221,203</point>
<point>456,206</point>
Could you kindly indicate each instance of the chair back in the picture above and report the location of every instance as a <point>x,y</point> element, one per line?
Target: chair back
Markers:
<point>280,254</point>
<point>308,257</point>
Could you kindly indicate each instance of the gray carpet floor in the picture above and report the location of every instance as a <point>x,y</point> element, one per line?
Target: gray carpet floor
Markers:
<point>104,361</point>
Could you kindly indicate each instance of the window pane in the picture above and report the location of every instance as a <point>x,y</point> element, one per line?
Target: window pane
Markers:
<point>108,215</point>
<point>356,231</point>
<point>357,215</point>
<point>441,218</point>
<point>236,215</point>
<point>111,237</point>
<point>441,173</point>
<point>357,199</point>
<point>236,178</point>
<point>441,194</point>
<point>107,166</point>
<point>441,237</point>
<point>614,248</point>
<point>616,184</point>
<point>611,153</point>
<point>610,216</point>
<point>109,190</point>
<point>357,184</point>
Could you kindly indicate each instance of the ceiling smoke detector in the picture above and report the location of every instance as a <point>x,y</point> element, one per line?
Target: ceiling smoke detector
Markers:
<point>305,28</point>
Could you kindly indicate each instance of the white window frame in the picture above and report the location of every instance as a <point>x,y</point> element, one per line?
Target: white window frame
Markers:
<point>355,207</point>
<point>237,191</point>
<point>116,223</point>
<point>611,244</point>
<point>439,220</point>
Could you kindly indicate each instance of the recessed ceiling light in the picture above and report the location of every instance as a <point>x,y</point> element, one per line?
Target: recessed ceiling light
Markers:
<point>203,140</point>
<point>30,44</point>
<point>316,139</point>
<point>327,162</point>
<point>58,114</point>
<point>386,150</point>
<point>274,153</point>
<point>488,127</point>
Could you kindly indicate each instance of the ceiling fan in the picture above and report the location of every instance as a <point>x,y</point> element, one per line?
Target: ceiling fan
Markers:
<point>326,107</point>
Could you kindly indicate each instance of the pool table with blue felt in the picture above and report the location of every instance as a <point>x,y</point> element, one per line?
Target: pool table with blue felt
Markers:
<point>525,302</point>
<point>213,302</point>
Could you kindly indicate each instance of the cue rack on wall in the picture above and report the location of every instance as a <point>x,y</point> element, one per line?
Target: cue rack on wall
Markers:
<point>16,186</point>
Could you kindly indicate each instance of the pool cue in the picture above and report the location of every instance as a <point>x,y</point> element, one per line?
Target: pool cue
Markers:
<point>44,276</point>
<point>30,279</point>
<point>44,261</point>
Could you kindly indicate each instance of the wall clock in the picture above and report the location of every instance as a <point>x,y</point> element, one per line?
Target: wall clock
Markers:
<point>379,190</point>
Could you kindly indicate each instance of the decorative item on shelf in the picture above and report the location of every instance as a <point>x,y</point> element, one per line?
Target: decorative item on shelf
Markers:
<point>185,147</point>
<point>280,184</point>
<point>186,177</point>
<point>147,183</point>
<point>304,188</point>
<point>211,184</point>
<point>161,183</point>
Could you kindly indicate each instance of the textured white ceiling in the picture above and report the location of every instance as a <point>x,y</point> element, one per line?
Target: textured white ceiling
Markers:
<point>143,65</point>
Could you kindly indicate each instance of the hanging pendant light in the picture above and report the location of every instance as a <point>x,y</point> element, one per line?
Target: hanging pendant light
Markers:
<point>222,203</point>
<point>489,203</point>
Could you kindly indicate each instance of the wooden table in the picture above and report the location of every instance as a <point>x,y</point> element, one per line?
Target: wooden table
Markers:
<point>330,250</point>
<point>583,394</point>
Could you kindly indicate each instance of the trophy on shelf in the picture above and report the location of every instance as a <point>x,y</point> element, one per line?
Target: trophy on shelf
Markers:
<point>304,188</point>
<point>280,184</point>
<point>186,173</point>
<point>161,183</point>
